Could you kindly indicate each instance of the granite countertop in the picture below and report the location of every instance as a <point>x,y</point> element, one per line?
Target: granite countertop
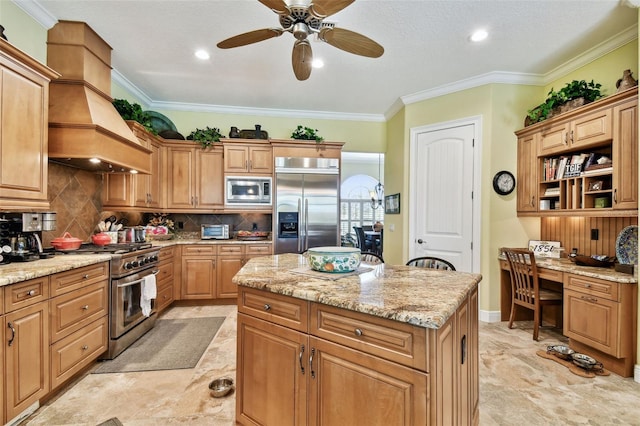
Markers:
<point>565,265</point>
<point>21,271</point>
<point>418,296</point>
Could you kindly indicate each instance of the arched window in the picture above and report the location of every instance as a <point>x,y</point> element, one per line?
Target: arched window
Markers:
<point>355,206</point>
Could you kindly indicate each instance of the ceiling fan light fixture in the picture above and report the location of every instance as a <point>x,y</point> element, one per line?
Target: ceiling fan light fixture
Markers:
<point>479,36</point>
<point>300,31</point>
<point>202,54</point>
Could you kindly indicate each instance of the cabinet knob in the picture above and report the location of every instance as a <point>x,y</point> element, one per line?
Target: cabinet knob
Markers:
<point>85,347</point>
<point>267,307</point>
<point>85,308</point>
<point>85,276</point>
<point>358,332</point>
<point>31,292</point>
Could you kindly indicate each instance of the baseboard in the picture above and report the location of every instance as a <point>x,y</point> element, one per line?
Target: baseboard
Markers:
<point>489,316</point>
<point>636,373</point>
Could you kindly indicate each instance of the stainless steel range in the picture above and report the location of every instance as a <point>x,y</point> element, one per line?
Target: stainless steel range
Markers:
<point>131,264</point>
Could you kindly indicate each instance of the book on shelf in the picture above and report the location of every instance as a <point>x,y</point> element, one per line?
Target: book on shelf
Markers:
<point>598,170</point>
<point>552,191</point>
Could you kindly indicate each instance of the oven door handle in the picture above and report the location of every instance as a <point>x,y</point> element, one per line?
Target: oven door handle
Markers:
<point>136,281</point>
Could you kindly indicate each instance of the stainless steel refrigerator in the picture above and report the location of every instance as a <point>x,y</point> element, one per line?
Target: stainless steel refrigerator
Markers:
<point>307,196</point>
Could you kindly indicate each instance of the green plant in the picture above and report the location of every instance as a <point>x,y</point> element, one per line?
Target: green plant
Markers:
<point>576,89</point>
<point>129,111</point>
<point>307,134</point>
<point>206,137</point>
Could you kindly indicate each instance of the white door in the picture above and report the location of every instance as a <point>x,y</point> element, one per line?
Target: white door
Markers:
<point>442,181</point>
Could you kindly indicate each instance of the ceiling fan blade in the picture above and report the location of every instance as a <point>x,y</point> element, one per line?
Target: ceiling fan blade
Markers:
<point>250,37</point>
<point>301,59</point>
<point>351,42</point>
<point>278,6</point>
<point>323,8</point>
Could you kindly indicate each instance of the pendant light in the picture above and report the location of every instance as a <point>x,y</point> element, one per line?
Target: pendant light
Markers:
<point>378,191</point>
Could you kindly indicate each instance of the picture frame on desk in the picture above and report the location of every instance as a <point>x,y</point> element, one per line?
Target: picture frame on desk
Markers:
<point>392,204</point>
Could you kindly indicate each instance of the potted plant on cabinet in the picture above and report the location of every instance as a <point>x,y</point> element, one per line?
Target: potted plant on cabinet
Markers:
<point>573,95</point>
<point>133,112</point>
<point>307,134</point>
<point>205,137</point>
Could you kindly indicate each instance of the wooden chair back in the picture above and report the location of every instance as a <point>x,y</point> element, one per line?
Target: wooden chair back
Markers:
<point>371,258</point>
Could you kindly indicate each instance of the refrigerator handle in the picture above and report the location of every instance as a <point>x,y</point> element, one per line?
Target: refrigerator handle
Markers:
<point>299,228</point>
<point>306,224</point>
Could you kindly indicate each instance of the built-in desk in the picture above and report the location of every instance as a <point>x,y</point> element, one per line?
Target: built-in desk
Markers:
<point>599,309</point>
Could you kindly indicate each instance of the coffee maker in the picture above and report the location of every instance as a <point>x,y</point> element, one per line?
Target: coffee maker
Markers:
<point>21,236</point>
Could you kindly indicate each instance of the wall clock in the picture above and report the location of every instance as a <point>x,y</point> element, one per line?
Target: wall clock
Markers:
<point>504,182</point>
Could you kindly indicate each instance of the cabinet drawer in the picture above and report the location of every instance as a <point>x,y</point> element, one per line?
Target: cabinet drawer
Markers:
<point>199,250</point>
<point>65,282</point>
<point>392,340</point>
<point>167,254</point>
<point>283,310</point>
<point>164,296</point>
<point>78,350</point>
<point>72,311</point>
<point>593,321</point>
<point>235,249</point>
<point>550,274</point>
<point>26,293</point>
<point>258,250</point>
<point>165,272</point>
<point>592,286</point>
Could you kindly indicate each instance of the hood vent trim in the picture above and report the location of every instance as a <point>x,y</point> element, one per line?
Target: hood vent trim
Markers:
<point>83,123</point>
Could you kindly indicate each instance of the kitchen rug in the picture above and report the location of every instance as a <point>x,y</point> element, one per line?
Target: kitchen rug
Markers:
<point>171,344</point>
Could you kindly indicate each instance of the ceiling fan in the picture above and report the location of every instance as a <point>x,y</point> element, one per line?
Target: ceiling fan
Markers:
<point>303,19</point>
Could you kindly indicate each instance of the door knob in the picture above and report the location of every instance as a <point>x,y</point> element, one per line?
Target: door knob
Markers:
<point>419,241</point>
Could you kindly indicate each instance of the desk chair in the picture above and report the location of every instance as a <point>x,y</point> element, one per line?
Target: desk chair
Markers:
<point>431,262</point>
<point>525,287</point>
<point>372,258</point>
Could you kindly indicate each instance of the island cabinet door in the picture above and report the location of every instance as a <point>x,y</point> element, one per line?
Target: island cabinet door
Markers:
<point>273,374</point>
<point>348,387</point>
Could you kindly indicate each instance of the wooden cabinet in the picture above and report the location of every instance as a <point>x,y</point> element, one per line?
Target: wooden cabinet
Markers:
<point>600,319</point>
<point>199,272</point>
<point>26,345</point>
<point>241,158</point>
<point>24,106</point>
<point>231,258</point>
<point>123,190</point>
<point>625,155</point>
<point>165,278</point>
<point>552,181</point>
<point>527,180</point>
<point>303,363</point>
<point>195,178</point>
<point>79,328</point>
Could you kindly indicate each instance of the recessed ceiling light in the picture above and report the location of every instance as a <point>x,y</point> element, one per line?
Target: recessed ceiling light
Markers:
<point>133,172</point>
<point>202,54</point>
<point>479,35</point>
<point>317,63</point>
<point>94,160</point>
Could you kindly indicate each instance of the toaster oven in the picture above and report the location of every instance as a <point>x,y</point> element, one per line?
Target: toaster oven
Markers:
<point>214,232</point>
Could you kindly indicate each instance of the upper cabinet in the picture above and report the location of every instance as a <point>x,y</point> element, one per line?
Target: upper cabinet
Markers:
<point>241,157</point>
<point>24,105</point>
<point>582,162</point>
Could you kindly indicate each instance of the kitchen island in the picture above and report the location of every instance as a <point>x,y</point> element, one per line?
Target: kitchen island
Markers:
<point>384,345</point>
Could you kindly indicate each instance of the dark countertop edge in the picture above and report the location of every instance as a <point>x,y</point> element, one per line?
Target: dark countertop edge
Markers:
<point>177,242</point>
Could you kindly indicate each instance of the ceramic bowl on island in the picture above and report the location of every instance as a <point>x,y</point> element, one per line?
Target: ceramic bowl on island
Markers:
<point>334,259</point>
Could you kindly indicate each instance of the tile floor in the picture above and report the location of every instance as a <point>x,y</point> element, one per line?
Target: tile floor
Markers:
<point>516,386</point>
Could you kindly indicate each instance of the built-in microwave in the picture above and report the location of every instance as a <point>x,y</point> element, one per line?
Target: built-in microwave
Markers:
<point>214,232</point>
<point>247,191</point>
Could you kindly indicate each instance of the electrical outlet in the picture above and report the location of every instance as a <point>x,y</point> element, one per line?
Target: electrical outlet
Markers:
<point>180,225</point>
<point>595,234</point>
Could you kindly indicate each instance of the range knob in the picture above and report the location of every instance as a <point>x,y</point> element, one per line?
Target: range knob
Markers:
<point>135,264</point>
<point>128,265</point>
<point>154,258</point>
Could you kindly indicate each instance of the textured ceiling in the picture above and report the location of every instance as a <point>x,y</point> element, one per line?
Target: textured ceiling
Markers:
<point>426,48</point>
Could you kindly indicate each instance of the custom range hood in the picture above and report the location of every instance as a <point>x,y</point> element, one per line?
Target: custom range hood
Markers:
<point>85,130</point>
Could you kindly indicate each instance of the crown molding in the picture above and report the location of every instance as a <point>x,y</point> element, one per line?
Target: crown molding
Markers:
<point>34,9</point>
<point>124,82</point>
